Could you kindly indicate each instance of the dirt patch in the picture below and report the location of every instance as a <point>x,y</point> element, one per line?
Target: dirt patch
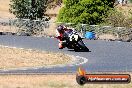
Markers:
<point>51,31</point>
<point>15,58</point>
<point>8,29</point>
<point>50,81</point>
<point>125,9</point>
<point>4,9</point>
<point>107,37</point>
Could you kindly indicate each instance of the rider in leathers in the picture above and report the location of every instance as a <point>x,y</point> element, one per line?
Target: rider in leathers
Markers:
<point>62,33</point>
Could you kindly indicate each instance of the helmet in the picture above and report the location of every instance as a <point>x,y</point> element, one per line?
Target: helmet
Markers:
<point>60,28</point>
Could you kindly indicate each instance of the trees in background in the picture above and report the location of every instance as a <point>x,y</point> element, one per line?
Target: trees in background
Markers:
<point>28,9</point>
<point>54,3</point>
<point>32,9</point>
<point>75,11</point>
<point>84,11</point>
<point>130,1</point>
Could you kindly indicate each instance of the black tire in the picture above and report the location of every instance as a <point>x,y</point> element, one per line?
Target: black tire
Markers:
<point>86,49</point>
<point>60,48</point>
<point>76,50</point>
<point>77,47</point>
<point>82,45</point>
<point>81,80</point>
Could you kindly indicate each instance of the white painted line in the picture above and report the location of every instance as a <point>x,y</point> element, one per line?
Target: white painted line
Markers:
<point>5,70</point>
<point>35,68</point>
<point>15,47</point>
<point>23,69</point>
<point>85,60</point>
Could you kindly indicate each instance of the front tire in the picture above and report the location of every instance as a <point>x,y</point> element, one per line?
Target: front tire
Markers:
<point>82,46</point>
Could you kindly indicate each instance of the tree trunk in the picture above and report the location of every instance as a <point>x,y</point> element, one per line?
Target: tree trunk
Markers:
<point>33,9</point>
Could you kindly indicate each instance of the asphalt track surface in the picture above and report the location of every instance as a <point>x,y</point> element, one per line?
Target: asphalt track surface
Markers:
<point>105,56</point>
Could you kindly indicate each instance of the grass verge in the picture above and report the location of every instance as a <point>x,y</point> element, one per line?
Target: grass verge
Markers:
<point>15,58</point>
<point>50,81</point>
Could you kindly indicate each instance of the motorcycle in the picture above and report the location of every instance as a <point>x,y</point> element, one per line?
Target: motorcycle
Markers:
<point>74,41</point>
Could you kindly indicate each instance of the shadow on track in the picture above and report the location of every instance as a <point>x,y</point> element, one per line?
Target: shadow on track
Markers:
<point>78,51</point>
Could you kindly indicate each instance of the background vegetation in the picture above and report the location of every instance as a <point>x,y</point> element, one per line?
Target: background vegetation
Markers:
<point>84,11</point>
<point>29,9</point>
<point>90,12</point>
<point>118,19</point>
<point>130,1</point>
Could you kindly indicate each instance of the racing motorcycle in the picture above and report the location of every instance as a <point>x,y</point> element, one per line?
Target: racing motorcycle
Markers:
<point>74,41</point>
